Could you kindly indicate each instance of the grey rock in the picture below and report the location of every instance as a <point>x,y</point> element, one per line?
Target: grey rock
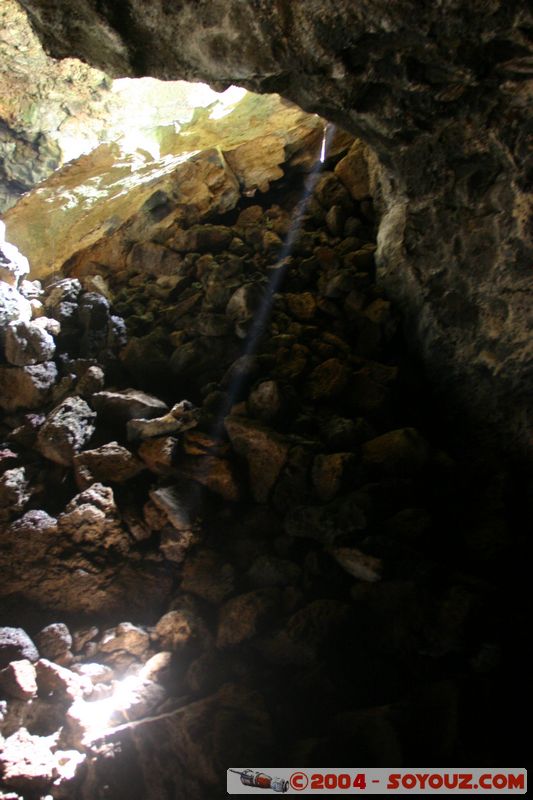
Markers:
<point>13,265</point>
<point>14,493</point>
<point>28,343</point>
<point>66,430</point>
<point>13,306</point>
<point>15,644</point>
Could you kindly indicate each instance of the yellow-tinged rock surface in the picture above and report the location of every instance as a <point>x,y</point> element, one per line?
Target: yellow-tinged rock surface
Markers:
<point>100,203</point>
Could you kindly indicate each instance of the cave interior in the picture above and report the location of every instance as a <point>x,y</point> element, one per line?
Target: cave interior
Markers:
<point>265,390</point>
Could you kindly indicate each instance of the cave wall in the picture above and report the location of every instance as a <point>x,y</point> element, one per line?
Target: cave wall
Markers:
<point>439,91</point>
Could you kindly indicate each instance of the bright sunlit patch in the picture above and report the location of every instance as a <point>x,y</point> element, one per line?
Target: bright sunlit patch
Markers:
<point>227,102</point>
<point>98,716</point>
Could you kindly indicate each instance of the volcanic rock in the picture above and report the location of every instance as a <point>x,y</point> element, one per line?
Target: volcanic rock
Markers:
<point>66,430</point>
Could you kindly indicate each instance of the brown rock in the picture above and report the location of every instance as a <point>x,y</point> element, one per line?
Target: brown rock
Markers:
<point>176,629</point>
<point>127,637</point>
<point>352,171</point>
<point>110,463</point>
<point>265,452</point>
<point>60,681</point>
<point>265,401</point>
<point>158,453</point>
<point>92,518</point>
<point>215,473</point>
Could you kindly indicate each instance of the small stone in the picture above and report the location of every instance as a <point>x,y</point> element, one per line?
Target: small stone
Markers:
<point>17,680</point>
<point>110,463</point>
<point>55,642</point>
<point>127,637</point>
<point>15,645</point>
<point>265,451</point>
<point>28,343</point>
<point>26,387</point>
<point>66,430</point>
<point>360,565</point>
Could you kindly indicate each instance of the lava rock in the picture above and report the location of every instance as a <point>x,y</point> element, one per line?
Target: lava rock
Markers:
<point>55,643</point>
<point>264,450</point>
<point>14,493</point>
<point>66,430</point>
<point>206,575</point>
<point>28,343</point>
<point>265,401</point>
<point>13,265</point>
<point>26,387</point>
<point>327,380</point>
<point>27,763</point>
<point>110,463</point>
<point>244,616</point>
<point>126,637</point>
<point>92,518</point>
<point>15,645</point>
<point>126,404</point>
<point>13,306</point>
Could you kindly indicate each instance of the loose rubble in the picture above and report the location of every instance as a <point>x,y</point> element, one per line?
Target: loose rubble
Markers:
<point>230,499</point>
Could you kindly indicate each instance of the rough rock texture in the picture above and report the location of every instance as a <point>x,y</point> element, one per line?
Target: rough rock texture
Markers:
<point>442,100</point>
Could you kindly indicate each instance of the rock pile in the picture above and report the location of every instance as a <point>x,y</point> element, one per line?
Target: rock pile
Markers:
<point>240,499</point>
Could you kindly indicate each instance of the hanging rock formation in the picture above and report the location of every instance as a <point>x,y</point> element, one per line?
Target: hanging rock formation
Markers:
<point>439,91</point>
